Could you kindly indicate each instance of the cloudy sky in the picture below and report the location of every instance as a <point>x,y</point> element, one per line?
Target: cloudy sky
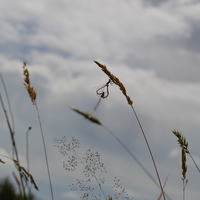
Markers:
<point>152,46</point>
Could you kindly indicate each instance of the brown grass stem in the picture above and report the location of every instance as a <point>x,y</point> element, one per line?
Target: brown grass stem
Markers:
<point>27,149</point>
<point>45,151</point>
<point>9,105</point>
<point>163,188</point>
<point>151,154</point>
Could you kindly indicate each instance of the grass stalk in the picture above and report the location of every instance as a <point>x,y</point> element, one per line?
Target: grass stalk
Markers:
<point>115,80</point>
<point>33,94</point>
<point>11,130</point>
<point>45,151</point>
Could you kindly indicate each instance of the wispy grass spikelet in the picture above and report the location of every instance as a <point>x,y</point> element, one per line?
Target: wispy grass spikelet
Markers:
<point>184,145</point>
<point>115,80</point>
<point>26,174</point>
<point>184,166</point>
<point>23,171</point>
<point>86,115</point>
<point>181,140</point>
<point>32,92</point>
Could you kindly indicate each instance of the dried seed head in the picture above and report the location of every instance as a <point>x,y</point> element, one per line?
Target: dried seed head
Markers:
<point>115,80</point>
<point>184,166</point>
<point>32,92</point>
<point>25,174</point>
<point>181,140</point>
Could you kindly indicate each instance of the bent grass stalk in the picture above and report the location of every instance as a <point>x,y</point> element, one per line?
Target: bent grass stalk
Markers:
<point>33,94</point>
<point>115,80</point>
<point>96,121</point>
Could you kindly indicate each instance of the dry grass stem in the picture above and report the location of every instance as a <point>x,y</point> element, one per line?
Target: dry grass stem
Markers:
<point>32,92</point>
<point>160,196</point>
<point>115,80</point>
<point>18,183</point>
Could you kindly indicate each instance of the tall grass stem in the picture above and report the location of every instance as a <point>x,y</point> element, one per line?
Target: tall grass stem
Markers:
<point>45,151</point>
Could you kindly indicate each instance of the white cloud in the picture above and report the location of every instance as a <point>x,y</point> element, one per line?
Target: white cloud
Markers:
<point>142,45</point>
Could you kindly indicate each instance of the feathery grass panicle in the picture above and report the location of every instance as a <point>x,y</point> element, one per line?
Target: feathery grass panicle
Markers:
<point>184,170</point>
<point>32,92</point>
<point>26,174</point>
<point>181,140</point>
<point>86,115</point>
<point>115,80</point>
<point>184,166</point>
<point>184,144</point>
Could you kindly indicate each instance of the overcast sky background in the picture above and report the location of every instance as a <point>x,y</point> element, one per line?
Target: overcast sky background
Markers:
<point>152,46</point>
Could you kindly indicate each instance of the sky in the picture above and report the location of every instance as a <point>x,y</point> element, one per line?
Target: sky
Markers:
<point>151,46</point>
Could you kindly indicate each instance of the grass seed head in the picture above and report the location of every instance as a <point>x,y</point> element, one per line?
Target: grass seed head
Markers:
<point>32,92</point>
<point>115,80</point>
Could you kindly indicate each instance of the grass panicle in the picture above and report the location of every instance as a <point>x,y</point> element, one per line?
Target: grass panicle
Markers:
<point>115,80</point>
<point>1,161</point>
<point>181,140</point>
<point>184,144</point>
<point>86,115</point>
<point>33,93</point>
<point>184,166</point>
<point>93,168</point>
<point>184,170</point>
<point>25,174</point>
